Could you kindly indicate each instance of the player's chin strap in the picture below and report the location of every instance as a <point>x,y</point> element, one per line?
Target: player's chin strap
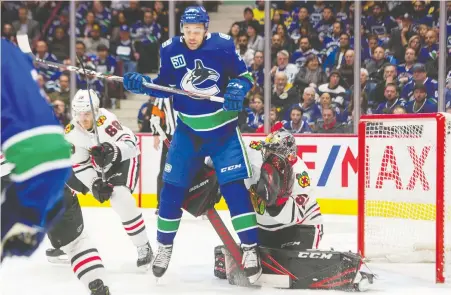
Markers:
<point>94,116</point>
<point>24,45</point>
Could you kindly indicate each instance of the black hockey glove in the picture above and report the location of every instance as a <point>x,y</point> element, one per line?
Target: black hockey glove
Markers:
<point>105,154</point>
<point>102,191</point>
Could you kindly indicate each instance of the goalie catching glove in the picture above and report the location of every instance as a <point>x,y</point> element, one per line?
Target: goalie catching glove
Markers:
<point>105,154</point>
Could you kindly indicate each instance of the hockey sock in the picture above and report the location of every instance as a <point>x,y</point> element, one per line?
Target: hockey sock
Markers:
<point>85,260</point>
<point>243,215</point>
<point>170,214</point>
<point>124,205</point>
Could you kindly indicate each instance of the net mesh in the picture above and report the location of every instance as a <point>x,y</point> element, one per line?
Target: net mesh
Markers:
<point>400,189</point>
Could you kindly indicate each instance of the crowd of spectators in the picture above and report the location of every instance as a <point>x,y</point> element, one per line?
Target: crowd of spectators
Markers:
<point>113,37</point>
<point>313,54</point>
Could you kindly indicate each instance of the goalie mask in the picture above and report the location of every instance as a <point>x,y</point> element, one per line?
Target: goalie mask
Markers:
<point>276,174</point>
<point>282,143</point>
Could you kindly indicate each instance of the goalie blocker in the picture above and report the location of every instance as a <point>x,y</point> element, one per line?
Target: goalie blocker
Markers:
<point>286,264</point>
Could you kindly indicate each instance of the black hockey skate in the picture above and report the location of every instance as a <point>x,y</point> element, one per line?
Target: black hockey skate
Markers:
<point>162,259</point>
<point>251,262</point>
<point>98,288</point>
<point>145,256</point>
<point>57,256</point>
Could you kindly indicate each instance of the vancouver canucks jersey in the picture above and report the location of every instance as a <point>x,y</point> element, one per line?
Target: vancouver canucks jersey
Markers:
<point>206,70</point>
<point>32,140</point>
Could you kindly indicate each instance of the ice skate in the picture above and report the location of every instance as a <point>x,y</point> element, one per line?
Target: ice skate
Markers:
<point>57,256</point>
<point>98,288</point>
<point>251,262</point>
<point>145,256</point>
<point>161,262</point>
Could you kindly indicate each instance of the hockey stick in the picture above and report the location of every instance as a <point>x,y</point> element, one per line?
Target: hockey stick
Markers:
<point>24,45</point>
<point>212,214</point>
<point>96,132</point>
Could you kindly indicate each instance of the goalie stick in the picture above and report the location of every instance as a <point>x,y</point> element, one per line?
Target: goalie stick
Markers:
<point>24,45</point>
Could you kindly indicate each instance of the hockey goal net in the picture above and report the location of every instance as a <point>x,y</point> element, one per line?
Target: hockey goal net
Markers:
<point>404,192</point>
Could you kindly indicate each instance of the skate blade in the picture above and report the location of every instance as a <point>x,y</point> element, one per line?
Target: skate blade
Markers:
<point>254,278</point>
<point>144,268</point>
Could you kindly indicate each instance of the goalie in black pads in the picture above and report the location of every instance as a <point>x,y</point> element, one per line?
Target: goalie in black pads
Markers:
<point>290,224</point>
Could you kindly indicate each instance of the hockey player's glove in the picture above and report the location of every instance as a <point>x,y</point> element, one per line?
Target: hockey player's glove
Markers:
<point>102,191</point>
<point>22,229</point>
<point>133,82</point>
<point>105,154</point>
<point>234,95</point>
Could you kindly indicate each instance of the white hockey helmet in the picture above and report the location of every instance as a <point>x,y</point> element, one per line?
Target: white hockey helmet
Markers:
<point>81,102</point>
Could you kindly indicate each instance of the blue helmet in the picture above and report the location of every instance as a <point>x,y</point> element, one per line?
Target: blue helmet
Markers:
<point>195,15</point>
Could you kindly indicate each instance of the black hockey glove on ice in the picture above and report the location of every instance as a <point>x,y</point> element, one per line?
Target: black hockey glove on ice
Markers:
<point>105,154</point>
<point>101,190</point>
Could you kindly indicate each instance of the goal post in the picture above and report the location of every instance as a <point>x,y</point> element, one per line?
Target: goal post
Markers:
<point>404,191</point>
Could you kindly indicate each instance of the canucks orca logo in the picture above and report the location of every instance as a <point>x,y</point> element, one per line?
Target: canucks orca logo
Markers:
<point>200,79</point>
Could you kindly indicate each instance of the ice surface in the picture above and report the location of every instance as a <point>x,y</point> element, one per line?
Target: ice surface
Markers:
<point>191,267</point>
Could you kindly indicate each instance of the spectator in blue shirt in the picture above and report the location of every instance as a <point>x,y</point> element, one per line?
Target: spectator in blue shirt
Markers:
<point>255,116</point>
<point>392,100</point>
<point>421,103</point>
<point>420,76</point>
<point>297,124</point>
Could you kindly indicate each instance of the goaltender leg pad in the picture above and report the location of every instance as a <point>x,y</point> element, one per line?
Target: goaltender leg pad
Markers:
<point>203,193</point>
<point>70,225</point>
<point>314,269</point>
<point>184,158</point>
<point>296,237</point>
<point>229,158</point>
<point>307,269</point>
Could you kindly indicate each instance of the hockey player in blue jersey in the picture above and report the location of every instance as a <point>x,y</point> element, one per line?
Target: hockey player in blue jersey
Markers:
<point>206,63</point>
<point>32,142</point>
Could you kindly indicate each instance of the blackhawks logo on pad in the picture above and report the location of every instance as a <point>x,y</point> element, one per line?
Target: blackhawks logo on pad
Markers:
<point>69,128</point>
<point>101,120</point>
<point>303,179</point>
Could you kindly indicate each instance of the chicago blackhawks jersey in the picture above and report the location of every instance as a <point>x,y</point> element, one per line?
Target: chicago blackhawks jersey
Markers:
<point>110,130</point>
<point>299,208</point>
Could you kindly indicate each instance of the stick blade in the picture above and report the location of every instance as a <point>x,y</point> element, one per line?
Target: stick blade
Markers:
<point>24,45</point>
<point>274,281</point>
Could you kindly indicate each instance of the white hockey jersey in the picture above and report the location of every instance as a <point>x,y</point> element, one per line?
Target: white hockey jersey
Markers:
<point>300,208</point>
<point>6,167</point>
<point>110,130</point>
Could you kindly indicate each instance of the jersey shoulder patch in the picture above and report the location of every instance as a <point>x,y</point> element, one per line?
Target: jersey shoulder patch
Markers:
<point>303,179</point>
<point>69,128</point>
<point>101,120</point>
<point>224,36</point>
<point>166,43</point>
